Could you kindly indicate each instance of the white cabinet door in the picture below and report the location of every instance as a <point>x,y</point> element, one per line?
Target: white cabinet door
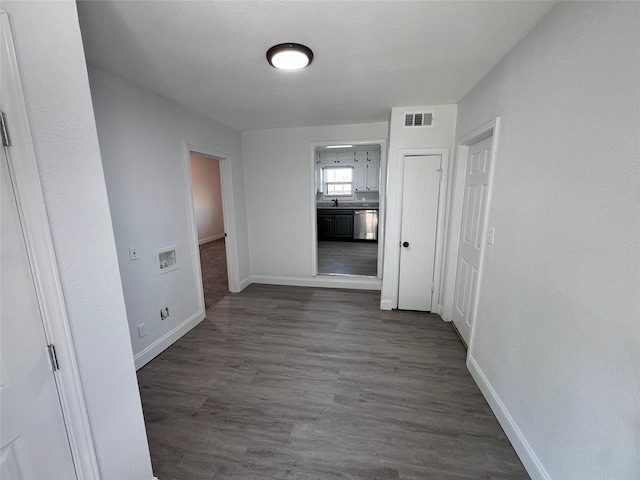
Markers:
<point>373,156</point>
<point>373,177</point>
<point>345,157</point>
<point>360,156</point>
<point>360,177</point>
<point>328,157</point>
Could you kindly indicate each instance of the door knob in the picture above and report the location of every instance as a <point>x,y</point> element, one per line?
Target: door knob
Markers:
<point>405,244</point>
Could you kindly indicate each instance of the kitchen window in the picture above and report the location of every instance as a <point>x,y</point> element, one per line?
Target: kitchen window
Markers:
<point>338,181</point>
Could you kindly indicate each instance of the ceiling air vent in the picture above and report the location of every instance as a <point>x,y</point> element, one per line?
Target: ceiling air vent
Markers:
<point>421,119</point>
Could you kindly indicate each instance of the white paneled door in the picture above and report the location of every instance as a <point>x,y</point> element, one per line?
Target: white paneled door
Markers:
<point>471,235</point>
<point>33,437</point>
<point>419,220</point>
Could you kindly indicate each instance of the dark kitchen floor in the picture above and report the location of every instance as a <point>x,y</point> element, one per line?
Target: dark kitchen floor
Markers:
<point>348,258</point>
<point>319,384</point>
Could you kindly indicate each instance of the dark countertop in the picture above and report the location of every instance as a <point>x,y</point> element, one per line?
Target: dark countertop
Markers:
<point>349,205</point>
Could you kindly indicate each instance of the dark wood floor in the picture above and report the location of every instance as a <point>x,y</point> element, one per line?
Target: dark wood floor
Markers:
<point>213,263</point>
<point>301,383</point>
<point>348,258</point>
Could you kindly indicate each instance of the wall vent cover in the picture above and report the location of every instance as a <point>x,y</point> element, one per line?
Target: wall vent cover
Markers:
<point>418,119</point>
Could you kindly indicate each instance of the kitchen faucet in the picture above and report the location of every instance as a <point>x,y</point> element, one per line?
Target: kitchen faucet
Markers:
<point>335,202</point>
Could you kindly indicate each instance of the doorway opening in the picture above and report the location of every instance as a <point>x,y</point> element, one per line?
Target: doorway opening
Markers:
<point>347,206</point>
<point>209,218</point>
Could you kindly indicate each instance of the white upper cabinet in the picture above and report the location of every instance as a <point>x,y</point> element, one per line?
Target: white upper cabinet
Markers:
<point>365,161</point>
<point>345,157</point>
<point>373,156</point>
<point>328,157</point>
<point>366,177</point>
<point>373,176</point>
<point>360,177</point>
<point>360,156</point>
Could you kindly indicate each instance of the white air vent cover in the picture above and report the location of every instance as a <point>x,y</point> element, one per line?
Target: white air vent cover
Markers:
<point>418,119</point>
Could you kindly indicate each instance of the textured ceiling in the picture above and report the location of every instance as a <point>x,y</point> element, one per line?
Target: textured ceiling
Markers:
<point>369,56</point>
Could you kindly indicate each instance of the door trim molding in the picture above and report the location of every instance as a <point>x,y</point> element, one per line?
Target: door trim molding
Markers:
<point>228,213</point>
<point>381,203</point>
<point>454,220</point>
<point>440,228</point>
<point>40,250</point>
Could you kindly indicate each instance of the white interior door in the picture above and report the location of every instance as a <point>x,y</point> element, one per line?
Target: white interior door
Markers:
<point>471,235</point>
<point>419,220</point>
<point>33,437</point>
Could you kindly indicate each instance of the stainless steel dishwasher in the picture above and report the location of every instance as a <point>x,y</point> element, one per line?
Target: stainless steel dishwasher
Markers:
<point>365,225</point>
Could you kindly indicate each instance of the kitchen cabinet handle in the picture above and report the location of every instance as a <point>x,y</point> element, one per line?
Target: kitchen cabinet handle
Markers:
<point>405,244</point>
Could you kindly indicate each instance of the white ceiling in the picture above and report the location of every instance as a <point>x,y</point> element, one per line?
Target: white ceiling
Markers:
<point>369,56</point>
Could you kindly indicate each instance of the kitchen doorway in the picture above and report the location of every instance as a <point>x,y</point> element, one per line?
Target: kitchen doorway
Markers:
<point>347,194</point>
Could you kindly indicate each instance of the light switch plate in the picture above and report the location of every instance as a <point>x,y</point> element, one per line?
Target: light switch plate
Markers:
<point>133,253</point>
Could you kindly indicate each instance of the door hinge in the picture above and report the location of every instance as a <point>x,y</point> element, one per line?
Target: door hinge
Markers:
<point>6,142</point>
<point>440,172</point>
<point>53,358</point>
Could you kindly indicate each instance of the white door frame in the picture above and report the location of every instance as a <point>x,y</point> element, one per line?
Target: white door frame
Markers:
<point>381,204</point>
<point>228,213</point>
<point>440,237</point>
<point>491,128</point>
<point>39,244</point>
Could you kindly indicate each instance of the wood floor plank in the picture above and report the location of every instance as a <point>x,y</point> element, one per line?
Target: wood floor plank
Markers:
<point>302,383</point>
<point>348,258</point>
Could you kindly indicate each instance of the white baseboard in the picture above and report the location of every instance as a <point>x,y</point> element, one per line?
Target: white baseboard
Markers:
<point>386,304</point>
<point>244,283</point>
<point>164,342</point>
<point>441,313</point>
<point>324,281</point>
<point>211,239</point>
<point>516,437</point>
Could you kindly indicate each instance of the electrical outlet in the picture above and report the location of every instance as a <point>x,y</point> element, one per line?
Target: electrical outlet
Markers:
<point>142,330</point>
<point>164,313</point>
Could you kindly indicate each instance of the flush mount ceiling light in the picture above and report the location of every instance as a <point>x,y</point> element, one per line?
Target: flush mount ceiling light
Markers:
<point>289,56</point>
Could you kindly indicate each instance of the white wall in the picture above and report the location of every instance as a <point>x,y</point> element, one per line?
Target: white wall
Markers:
<point>280,220</point>
<point>556,342</point>
<point>56,88</point>
<point>440,136</point>
<point>207,197</point>
<point>142,140</point>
